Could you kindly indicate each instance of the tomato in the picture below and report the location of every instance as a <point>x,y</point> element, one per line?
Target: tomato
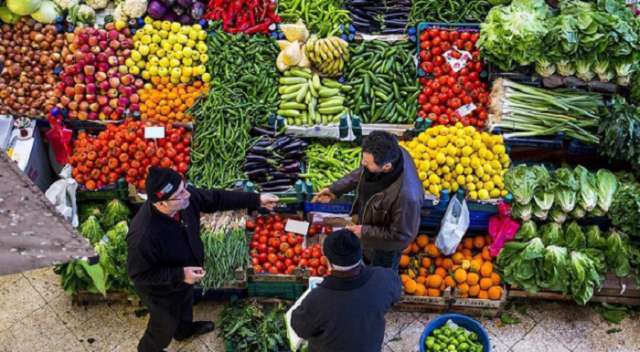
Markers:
<point>303,263</point>
<point>297,249</point>
<point>283,238</point>
<point>250,225</point>
<point>273,270</point>
<point>291,239</point>
<point>306,254</point>
<point>255,261</point>
<point>272,258</point>
<point>262,239</point>
<point>313,272</point>
<point>258,268</point>
<point>299,239</point>
<point>315,253</point>
<point>280,266</point>
<point>322,271</point>
<point>284,246</point>
<point>289,253</point>
<point>290,269</point>
<point>465,36</point>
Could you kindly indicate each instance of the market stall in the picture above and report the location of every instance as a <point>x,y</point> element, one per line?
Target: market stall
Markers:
<point>534,128</point>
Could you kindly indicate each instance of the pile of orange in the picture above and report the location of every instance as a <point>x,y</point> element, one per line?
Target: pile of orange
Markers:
<point>164,101</point>
<point>469,272</point>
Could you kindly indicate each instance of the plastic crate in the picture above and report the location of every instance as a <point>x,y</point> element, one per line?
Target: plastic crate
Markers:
<point>283,290</point>
<point>537,143</point>
<point>332,208</point>
<point>119,190</point>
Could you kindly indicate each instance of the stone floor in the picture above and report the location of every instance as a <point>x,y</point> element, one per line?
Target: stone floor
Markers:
<point>36,315</point>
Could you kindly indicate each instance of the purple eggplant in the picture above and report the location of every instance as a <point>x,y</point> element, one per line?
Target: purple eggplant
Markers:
<point>157,9</point>
<point>185,19</point>
<point>186,4</point>
<point>198,10</point>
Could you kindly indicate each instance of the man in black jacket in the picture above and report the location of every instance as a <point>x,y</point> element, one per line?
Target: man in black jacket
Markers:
<point>165,253</point>
<point>389,195</point>
<point>345,313</point>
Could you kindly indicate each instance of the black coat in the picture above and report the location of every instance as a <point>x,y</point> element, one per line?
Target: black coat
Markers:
<point>347,314</point>
<point>160,246</point>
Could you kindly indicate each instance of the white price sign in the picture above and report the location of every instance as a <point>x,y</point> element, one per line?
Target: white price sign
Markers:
<point>154,132</point>
<point>466,109</point>
<point>457,64</point>
<point>295,226</point>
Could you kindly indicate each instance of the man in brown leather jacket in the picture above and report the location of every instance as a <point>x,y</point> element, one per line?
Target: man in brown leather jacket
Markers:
<point>389,195</point>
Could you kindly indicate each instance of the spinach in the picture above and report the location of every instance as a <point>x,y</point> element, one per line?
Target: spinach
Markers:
<point>251,326</point>
<point>620,133</point>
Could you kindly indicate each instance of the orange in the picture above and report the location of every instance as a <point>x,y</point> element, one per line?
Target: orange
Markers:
<point>475,265</point>
<point>438,261</point>
<point>404,278</point>
<point>467,253</point>
<point>421,279</point>
<point>410,286</point>
<point>449,282</point>
<point>447,263</point>
<point>486,255</point>
<point>420,290</point>
<point>434,281</point>
<point>463,288</point>
<point>433,292</point>
<point>432,250</point>
<point>483,294</point>
<point>495,293</point>
<point>463,295</point>
<point>474,290</point>
<point>495,278</point>
<point>422,241</point>
<point>467,243</point>
<point>457,257</point>
<point>414,248</point>
<point>485,283</point>
<point>486,269</point>
<point>473,279</point>
<point>426,263</point>
<point>441,272</point>
<point>478,242</point>
<point>404,261</point>
<point>423,272</point>
<point>460,276</point>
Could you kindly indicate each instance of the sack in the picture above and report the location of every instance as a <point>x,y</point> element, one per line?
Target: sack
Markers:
<point>62,194</point>
<point>502,228</point>
<point>453,227</point>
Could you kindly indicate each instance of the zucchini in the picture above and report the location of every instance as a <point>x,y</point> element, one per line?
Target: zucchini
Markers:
<point>288,113</point>
<point>290,89</point>
<point>292,106</point>
<point>328,92</point>
<point>292,80</point>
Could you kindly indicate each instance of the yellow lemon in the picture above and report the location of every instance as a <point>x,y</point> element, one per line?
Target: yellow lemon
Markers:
<point>483,194</point>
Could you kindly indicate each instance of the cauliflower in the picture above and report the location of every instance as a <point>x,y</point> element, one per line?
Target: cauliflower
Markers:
<point>97,4</point>
<point>118,13</point>
<point>66,4</point>
<point>134,8</point>
<point>82,15</point>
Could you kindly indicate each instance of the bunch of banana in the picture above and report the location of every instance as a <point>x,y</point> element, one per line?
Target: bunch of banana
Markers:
<point>328,55</point>
<point>307,99</point>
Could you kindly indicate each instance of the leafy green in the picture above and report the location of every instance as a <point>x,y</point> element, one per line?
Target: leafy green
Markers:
<point>625,209</point>
<point>527,231</point>
<point>522,212</point>
<point>587,195</point>
<point>113,257</point>
<point>552,234</point>
<point>594,237</point>
<point>619,132</point>
<point>85,210</point>
<point>606,187</point>
<point>555,274</point>
<point>115,212</point>
<point>557,215</point>
<point>521,263</point>
<point>79,275</point>
<point>251,326</point>
<point>574,237</point>
<point>568,187</point>
<point>617,254</point>
<point>521,182</point>
<point>584,277</point>
<point>225,251</point>
<point>544,194</point>
<point>91,230</point>
<point>578,212</point>
<point>612,313</point>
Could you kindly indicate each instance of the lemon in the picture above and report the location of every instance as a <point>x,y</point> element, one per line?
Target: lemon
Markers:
<point>177,47</point>
<point>123,69</point>
<point>174,62</point>
<point>486,178</point>
<point>473,195</point>
<point>451,161</point>
<point>442,141</point>
<point>175,80</point>
<point>161,53</point>
<point>467,150</point>
<point>498,149</point>
<point>477,144</point>
<point>432,143</point>
<point>440,158</point>
<point>182,38</point>
<point>202,47</point>
<point>156,38</point>
<point>468,171</point>
<point>446,185</point>
<point>163,71</point>
<point>206,77</point>
<point>433,178</point>
<point>185,79</point>
<point>141,64</point>
<point>163,34</point>
<point>470,178</point>
<point>483,194</point>
<point>464,161</point>
<point>433,189</point>
<point>454,187</point>
<point>202,35</point>
<point>164,62</point>
<point>148,28</point>
<point>129,62</point>
<point>459,169</point>
<point>460,179</point>
<point>148,86</point>
<point>479,185</point>
<point>504,193</point>
<point>144,50</point>
<point>146,75</point>
<point>445,170</point>
<point>145,39</point>
<point>175,27</point>
<point>120,24</point>
<point>494,193</point>
<point>471,186</point>
<point>166,25</point>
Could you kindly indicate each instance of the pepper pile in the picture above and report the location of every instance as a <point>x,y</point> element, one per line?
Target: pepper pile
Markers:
<point>246,16</point>
<point>452,91</point>
<point>122,151</point>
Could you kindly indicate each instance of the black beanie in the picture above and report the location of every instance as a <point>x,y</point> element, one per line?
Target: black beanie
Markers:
<point>342,248</point>
<point>161,183</point>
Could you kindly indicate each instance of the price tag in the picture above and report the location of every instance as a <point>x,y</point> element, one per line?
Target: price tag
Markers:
<point>154,132</point>
<point>457,64</point>
<point>295,226</point>
<point>466,109</point>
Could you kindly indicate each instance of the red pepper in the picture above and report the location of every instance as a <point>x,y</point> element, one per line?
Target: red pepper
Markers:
<point>260,28</point>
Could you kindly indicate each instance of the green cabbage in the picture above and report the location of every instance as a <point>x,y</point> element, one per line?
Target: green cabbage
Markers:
<point>527,231</point>
<point>574,237</point>
<point>606,187</point>
<point>91,230</point>
<point>594,237</point>
<point>552,234</point>
<point>567,189</point>
<point>555,269</point>
<point>618,254</point>
<point>47,12</point>
<point>114,212</point>
<point>587,196</point>
<point>521,182</point>
<point>24,7</point>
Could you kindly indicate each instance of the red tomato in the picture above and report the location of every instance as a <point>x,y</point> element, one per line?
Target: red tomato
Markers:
<point>273,270</point>
<point>322,271</point>
<point>284,246</point>
<point>280,265</point>
<point>303,263</point>
<point>272,258</point>
<point>262,257</point>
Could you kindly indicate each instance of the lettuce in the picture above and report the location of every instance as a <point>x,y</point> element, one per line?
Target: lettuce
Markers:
<point>521,263</point>
<point>578,212</point>
<point>606,187</point>
<point>91,230</point>
<point>555,269</point>
<point>594,237</point>
<point>522,212</point>
<point>584,277</point>
<point>552,234</point>
<point>574,237</point>
<point>567,188</point>
<point>540,214</point>
<point>545,68</point>
<point>565,67</point>
<point>527,231</point>
<point>557,215</point>
<point>618,254</point>
<point>543,195</point>
<point>625,209</point>
<point>521,182</point>
<point>583,69</point>
<point>601,69</point>
<point>115,212</point>
<point>587,196</point>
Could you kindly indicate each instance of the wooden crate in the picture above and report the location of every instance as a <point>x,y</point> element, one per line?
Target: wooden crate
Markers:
<point>484,308</point>
<point>424,304</point>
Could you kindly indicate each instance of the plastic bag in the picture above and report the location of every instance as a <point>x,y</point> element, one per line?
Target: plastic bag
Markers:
<point>59,138</point>
<point>502,228</point>
<point>62,194</point>
<point>453,227</point>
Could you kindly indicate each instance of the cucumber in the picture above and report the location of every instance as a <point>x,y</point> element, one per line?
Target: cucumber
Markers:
<point>290,89</point>
<point>288,113</point>
<point>328,92</point>
<point>289,97</point>
<point>316,82</point>
<point>330,83</point>
<point>302,93</point>
<point>312,89</point>
<point>346,88</point>
<point>292,106</point>
<point>296,72</point>
<point>331,110</point>
<point>331,104</point>
<point>292,80</point>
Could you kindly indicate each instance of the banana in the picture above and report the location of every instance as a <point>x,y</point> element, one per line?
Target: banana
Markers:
<point>318,51</point>
<point>336,45</point>
<point>316,82</point>
<point>314,92</point>
<point>331,49</point>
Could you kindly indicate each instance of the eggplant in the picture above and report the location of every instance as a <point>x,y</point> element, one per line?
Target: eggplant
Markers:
<point>282,175</point>
<point>296,145</point>
<point>280,142</point>
<point>254,165</point>
<point>277,183</point>
<point>262,132</point>
<point>253,158</point>
<point>293,167</point>
<point>260,150</point>
<point>275,189</point>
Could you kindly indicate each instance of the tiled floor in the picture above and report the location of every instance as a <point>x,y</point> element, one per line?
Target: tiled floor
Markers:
<point>36,315</point>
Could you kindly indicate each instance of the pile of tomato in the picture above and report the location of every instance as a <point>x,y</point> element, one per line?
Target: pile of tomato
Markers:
<point>275,251</point>
<point>448,96</point>
<point>122,151</point>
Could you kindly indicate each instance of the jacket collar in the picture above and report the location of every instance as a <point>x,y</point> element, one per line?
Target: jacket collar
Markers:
<point>347,283</point>
<point>157,213</point>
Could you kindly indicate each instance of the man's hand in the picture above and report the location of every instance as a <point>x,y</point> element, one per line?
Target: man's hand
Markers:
<point>325,196</point>
<point>193,274</point>
<point>356,229</point>
<point>268,201</point>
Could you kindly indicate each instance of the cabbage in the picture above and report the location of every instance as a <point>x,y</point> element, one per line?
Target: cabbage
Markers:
<point>606,187</point>
<point>588,196</point>
<point>7,16</point>
<point>552,234</point>
<point>24,7</point>
<point>521,182</point>
<point>567,189</point>
<point>584,277</point>
<point>114,212</point>
<point>47,13</point>
<point>574,237</point>
<point>527,231</point>
<point>618,254</point>
<point>594,237</point>
<point>555,269</point>
<point>91,230</point>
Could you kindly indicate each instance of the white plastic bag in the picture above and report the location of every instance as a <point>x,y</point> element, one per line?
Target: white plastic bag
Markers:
<point>295,342</point>
<point>454,225</point>
<point>62,194</point>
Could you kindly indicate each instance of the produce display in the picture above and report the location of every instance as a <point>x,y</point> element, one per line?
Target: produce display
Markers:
<point>122,151</point>
<point>96,84</point>
<point>325,165</point>
<point>560,194</point>
<point>450,11</point>
<point>168,102</point>
<point>527,111</point>
<point>383,17</point>
<point>274,163</point>
<point>183,11</point>
<point>225,249</point>
<point>424,271</point>
<point>452,90</point>
<point>245,16</point>
<point>321,16</point>
<point>619,132</point>
<point>625,207</point>
<point>589,40</point>
<point>166,49</point>
<point>244,92</point>
<point>29,52</point>
<point>250,326</point>
<point>306,99</point>
<point>275,251</point>
<point>454,157</point>
<point>452,335</point>
<point>383,76</point>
